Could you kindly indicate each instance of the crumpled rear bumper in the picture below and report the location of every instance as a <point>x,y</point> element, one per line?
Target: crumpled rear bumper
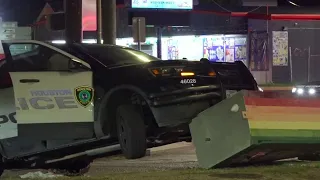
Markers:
<point>180,106</point>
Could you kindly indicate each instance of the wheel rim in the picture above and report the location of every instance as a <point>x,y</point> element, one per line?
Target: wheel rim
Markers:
<point>122,133</point>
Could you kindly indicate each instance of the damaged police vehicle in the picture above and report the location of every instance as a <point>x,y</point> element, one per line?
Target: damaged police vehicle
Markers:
<point>58,101</point>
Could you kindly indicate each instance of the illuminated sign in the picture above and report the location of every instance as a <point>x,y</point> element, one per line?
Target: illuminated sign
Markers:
<point>89,13</point>
<point>89,10</point>
<point>162,4</point>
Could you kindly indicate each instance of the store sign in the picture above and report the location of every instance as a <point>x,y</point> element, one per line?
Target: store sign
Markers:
<point>139,29</point>
<point>162,4</point>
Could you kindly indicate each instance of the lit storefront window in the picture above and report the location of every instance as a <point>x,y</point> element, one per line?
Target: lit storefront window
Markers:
<point>218,48</point>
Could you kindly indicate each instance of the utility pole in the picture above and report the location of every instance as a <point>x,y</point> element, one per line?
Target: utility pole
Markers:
<point>108,19</point>
<point>73,20</point>
<point>99,21</point>
<point>159,42</point>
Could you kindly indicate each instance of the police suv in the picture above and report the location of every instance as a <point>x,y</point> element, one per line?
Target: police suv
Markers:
<point>60,99</point>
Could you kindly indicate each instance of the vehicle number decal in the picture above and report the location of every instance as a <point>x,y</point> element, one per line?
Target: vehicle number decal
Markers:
<point>6,118</point>
<point>188,81</point>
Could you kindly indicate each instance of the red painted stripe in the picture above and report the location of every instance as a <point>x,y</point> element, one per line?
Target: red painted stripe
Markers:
<point>255,101</point>
<point>295,17</point>
<point>270,94</point>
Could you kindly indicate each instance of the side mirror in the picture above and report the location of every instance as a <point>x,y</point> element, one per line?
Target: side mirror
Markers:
<point>76,66</point>
<point>205,60</point>
<point>73,65</point>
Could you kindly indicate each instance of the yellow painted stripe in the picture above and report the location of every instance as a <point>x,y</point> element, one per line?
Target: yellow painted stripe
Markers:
<point>284,114</point>
<point>284,125</point>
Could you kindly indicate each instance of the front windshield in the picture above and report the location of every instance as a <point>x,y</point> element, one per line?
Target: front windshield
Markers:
<point>116,55</point>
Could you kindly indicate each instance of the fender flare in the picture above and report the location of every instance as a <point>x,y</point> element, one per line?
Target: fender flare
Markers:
<point>97,123</point>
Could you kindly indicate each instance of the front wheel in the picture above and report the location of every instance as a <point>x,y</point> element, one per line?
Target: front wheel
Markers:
<point>131,131</point>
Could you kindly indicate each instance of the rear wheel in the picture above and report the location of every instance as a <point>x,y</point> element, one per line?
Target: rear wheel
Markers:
<point>131,131</point>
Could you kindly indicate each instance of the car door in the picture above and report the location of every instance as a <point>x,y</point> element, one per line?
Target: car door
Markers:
<point>8,124</point>
<point>52,90</point>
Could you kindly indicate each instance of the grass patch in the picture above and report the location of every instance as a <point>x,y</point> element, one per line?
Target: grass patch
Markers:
<point>286,171</point>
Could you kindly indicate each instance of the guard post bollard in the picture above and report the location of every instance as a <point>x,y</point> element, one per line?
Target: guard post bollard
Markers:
<point>256,127</point>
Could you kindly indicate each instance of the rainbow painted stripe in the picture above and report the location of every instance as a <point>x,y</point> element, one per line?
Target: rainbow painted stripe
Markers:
<point>287,117</point>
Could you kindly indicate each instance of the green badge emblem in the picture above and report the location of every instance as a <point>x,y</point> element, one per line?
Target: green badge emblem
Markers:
<point>84,95</point>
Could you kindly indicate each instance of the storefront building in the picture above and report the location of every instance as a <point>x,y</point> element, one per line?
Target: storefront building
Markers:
<point>277,48</point>
<point>185,34</point>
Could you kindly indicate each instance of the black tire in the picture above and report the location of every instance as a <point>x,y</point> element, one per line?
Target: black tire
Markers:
<point>73,167</point>
<point>131,132</point>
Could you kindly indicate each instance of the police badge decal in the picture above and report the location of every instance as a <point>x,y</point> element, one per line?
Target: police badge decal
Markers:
<point>84,95</point>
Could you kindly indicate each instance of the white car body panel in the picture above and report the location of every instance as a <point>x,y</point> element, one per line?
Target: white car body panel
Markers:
<point>8,129</point>
<point>51,82</point>
<point>44,109</point>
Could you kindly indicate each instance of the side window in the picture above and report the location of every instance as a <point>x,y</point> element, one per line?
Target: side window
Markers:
<point>35,57</point>
<point>5,79</point>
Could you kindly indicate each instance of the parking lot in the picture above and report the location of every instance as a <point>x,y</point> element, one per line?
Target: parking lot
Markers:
<point>173,156</point>
<point>179,161</point>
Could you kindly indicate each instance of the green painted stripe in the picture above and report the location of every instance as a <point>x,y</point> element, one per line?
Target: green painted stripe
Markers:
<point>284,140</point>
<point>285,133</point>
<point>284,136</point>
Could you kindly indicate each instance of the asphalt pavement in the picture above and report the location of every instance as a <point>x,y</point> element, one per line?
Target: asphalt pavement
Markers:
<point>173,156</point>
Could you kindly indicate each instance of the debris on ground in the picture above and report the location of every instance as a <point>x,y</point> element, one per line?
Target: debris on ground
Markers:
<point>40,175</point>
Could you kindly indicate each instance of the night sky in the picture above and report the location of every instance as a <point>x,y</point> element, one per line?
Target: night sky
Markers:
<point>24,11</point>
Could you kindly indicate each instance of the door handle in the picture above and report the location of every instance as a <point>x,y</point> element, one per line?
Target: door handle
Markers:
<point>29,80</point>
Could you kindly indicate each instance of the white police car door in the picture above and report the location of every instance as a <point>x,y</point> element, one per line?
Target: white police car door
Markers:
<point>8,124</point>
<point>49,96</point>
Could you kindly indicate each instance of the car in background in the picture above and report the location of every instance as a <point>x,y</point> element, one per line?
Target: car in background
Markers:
<point>307,89</point>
